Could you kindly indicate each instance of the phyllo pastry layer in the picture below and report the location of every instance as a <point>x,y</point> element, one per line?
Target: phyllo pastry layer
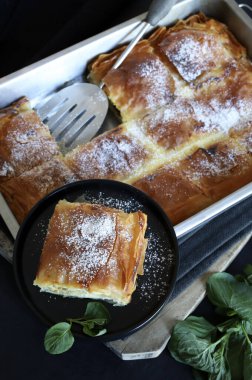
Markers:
<point>25,142</point>
<point>92,251</point>
<point>185,98</point>
<point>189,185</point>
<point>172,63</point>
<point>139,85</point>
<point>24,191</point>
<point>112,155</point>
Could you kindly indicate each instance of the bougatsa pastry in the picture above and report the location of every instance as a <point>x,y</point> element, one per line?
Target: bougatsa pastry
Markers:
<point>189,185</point>
<point>92,251</point>
<point>25,142</point>
<point>221,168</point>
<point>112,155</point>
<point>198,46</point>
<point>140,84</point>
<point>171,63</point>
<point>24,191</point>
<point>177,195</point>
<point>185,96</point>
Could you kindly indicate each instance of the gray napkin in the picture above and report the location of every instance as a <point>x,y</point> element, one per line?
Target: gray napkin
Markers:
<point>201,248</point>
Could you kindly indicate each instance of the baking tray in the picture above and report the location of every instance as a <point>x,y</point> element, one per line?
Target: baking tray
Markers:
<point>42,78</point>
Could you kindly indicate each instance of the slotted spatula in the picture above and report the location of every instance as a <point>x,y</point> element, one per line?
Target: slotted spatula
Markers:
<point>75,114</point>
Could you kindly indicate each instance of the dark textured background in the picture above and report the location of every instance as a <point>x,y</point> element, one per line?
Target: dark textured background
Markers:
<point>31,30</point>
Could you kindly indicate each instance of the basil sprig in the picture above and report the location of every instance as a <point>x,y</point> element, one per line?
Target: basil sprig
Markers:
<point>222,352</point>
<point>59,337</point>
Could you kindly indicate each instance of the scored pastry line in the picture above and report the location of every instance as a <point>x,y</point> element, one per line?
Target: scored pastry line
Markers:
<point>174,155</point>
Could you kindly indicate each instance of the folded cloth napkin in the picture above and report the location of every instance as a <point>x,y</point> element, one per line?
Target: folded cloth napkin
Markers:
<point>202,247</point>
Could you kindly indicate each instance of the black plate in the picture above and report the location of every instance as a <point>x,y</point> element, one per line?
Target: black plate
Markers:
<point>160,268</point>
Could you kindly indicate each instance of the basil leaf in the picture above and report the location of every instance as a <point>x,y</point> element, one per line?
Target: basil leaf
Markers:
<point>230,295</point>
<point>100,322</point>
<point>248,326</point>
<point>224,374</point>
<point>58,338</point>
<point>97,311</point>
<point>190,343</point>
<point>235,354</point>
<point>247,276</point>
<point>221,362</point>
<point>247,364</point>
<point>89,324</point>
<point>248,270</point>
<point>229,326</point>
<point>200,327</point>
<point>93,332</point>
<point>240,278</point>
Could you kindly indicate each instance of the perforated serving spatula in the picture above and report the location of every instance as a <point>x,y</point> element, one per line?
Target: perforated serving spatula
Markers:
<point>75,114</point>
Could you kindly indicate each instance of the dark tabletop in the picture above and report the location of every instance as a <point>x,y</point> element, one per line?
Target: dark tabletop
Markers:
<point>31,30</point>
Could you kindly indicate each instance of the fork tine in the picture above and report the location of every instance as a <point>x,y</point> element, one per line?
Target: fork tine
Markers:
<point>77,127</point>
<point>62,112</point>
<point>84,131</point>
<point>75,113</point>
<point>69,118</point>
<point>51,104</point>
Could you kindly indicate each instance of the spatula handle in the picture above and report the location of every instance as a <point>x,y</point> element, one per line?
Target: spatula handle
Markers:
<point>126,52</point>
<point>158,10</point>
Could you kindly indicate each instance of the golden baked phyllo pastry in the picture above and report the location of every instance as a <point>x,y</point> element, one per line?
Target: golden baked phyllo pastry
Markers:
<point>25,142</point>
<point>24,191</point>
<point>171,63</point>
<point>184,94</point>
<point>140,84</point>
<point>92,251</point>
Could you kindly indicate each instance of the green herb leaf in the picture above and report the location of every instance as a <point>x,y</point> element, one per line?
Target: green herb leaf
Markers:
<point>248,327</point>
<point>94,331</point>
<point>59,338</point>
<point>201,327</point>
<point>248,269</point>
<point>229,326</point>
<point>235,354</point>
<point>89,324</point>
<point>97,311</point>
<point>221,362</point>
<point>191,344</point>
<point>230,357</point>
<point>247,364</point>
<point>230,295</point>
<point>246,276</point>
<point>248,273</point>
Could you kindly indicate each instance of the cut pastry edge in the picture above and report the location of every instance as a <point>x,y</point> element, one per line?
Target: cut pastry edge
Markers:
<point>110,289</point>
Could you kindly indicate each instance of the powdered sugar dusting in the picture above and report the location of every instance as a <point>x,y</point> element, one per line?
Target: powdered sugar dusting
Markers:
<point>185,118</point>
<point>216,115</point>
<point>28,144</point>
<point>109,157</point>
<point>159,260</point>
<point>88,245</point>
<point>6,169</point>
<point>214,162</point>
<point>46,177</point>
<point>157,82</point>
<point>190,56</point>
<point>126,205</point>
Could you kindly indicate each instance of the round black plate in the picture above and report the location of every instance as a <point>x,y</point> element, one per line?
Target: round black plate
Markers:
<point>160,267</point>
